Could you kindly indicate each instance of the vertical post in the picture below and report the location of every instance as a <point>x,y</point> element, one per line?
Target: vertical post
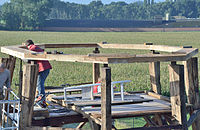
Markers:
<point>20,80</point>
<point>96,68</point>
<point>177,93</point>
<point>96,72</point>
<point>122,91</point>
<point>106,98</point>
<point>154,71</point>
<point>28,94</point>
<point>192,87</point>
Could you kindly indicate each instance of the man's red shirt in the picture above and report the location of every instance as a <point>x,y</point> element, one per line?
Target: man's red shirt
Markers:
<point>43,64</point>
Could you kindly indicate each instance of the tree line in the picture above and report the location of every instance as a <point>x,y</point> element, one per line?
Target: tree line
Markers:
<point>29,14</point>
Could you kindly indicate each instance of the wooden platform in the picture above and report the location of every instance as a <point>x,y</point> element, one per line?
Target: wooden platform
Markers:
<point>58,113</point>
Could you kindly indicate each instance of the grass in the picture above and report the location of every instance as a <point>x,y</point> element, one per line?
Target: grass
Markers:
<point>65,72</point>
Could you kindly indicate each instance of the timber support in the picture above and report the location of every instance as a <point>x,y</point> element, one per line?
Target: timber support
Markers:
<point>28,94</point>
<point>177,94</point>
<point>106,98</point>
<point>192,87</point>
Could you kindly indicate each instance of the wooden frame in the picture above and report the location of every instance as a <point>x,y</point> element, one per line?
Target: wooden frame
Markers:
<point>176,72</point>
<point>177,53</point>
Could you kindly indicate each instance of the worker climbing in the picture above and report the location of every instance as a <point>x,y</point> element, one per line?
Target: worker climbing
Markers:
<point>44,69</point>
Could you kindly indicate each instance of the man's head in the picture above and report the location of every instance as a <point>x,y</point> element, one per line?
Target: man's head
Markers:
<point>29,42</point>
<point>2,67</point>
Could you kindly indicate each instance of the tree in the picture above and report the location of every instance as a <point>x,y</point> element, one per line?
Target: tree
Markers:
<point>25,14</point>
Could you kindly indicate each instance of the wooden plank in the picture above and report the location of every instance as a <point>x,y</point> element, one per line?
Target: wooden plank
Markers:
<point>177,93</point>
<point>28,94</point>
<point>49,128</point>
<point>59,121</point>
<point>81,125</point>
<point>119,55</point>
<point>192,87</point>
<point>69,45</point>
<point>159,96</point>
<point>194,117</point>
<point>74,58</point>
<point>164,48</point>
<point>106,98</point>
<point>183,55</point>
<point>149,58</point>
<point>64,45</point>
<point>154,71</point>
<point>20,80</point>
<point>156,127</point>
<point>98,104</point>
<point>106,60</point>
<point>135,113</point>
<point>52,91</point>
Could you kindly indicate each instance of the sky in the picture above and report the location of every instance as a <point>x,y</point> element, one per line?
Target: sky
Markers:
<point>88,1</point>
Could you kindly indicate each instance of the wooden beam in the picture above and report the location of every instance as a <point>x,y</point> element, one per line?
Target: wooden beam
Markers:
<point>28,94</point>
<point>49,128</point>
<point>59,121</point>
<point>179,55</point>
<point>106,98</point>
<point>98,104</point>
<point>93,121</point>
<point>165,98</point>
<point>157,127</point>
<point>194,117</point>
<point>149,58</point>
<point>192,87</point>
<point>118,55</point>
<point>149,121</point>
<point>135,113</point>
<point>69,45</point>
<point>81,125</point>
<point>20,80</point>
<point>154,71</point>
<point>164,48</point>
<point>177,93</point>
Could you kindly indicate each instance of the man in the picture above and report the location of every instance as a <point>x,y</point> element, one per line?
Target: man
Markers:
<point>44,69</point>
<point>4,80</point>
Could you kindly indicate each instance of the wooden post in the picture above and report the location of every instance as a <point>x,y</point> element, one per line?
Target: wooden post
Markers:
<point>177,93</point>
<point>154,71</point>
<point>96,68</point>
<point>20,80</point>
<point>28,94</point>
<point>192,87</point>
<point>106,98</point>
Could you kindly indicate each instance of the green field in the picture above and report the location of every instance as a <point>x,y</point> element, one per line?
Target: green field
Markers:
<point>64,72</point>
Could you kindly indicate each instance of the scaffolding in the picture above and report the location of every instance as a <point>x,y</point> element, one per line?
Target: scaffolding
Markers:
<point>10,111</point>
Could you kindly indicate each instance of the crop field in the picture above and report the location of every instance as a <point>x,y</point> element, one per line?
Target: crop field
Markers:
<point>71,73</point>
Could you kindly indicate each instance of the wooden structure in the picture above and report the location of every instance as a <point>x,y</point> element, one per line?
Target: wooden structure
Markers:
<point>159,112</point>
